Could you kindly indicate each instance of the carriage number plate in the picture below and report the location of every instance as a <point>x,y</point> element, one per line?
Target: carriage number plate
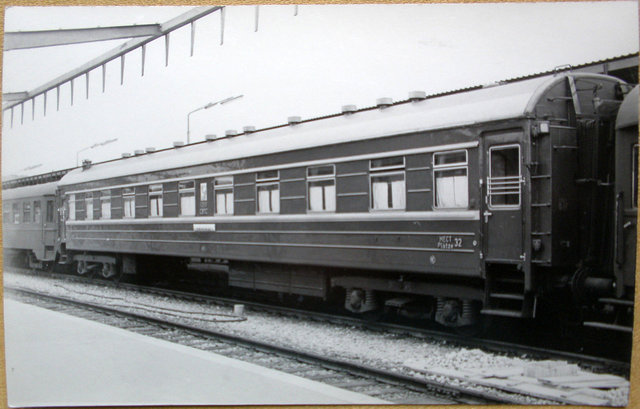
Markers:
<point>449,242</point>
<point>204,227</point>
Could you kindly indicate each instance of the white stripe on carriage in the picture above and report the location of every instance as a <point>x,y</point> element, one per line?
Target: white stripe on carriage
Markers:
<point>293,218</point>
<point>353,232</point>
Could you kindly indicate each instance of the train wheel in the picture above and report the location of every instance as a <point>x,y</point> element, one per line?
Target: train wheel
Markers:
<point>81,268</point>
<point>109,270</point>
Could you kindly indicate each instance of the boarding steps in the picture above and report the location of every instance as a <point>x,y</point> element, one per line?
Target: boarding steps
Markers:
<point>505,296</point>
<point>622,315</point>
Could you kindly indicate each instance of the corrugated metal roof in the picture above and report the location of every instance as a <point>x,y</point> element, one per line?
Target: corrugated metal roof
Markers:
<point>569,68</point>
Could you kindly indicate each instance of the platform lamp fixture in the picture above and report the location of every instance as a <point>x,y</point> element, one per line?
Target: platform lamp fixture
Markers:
<point>95,145</point>
<point>207,106</point>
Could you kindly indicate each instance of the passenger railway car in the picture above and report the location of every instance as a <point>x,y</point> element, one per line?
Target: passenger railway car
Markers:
<point>30,224</point>
<point>481,201</point>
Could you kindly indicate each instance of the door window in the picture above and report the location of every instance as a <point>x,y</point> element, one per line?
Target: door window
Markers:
<point>504,182</point>
<point>37,215</point>
<point>49,211</point>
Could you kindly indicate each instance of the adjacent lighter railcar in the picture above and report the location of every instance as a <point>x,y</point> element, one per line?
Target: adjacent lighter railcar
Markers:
<point>30,220</point>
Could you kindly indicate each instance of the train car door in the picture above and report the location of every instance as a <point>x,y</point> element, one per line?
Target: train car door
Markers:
<point>502,215</point>
<point>626,208</point>
<point>49,227</point>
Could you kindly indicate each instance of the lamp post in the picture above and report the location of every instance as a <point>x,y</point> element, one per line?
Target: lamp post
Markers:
<point>95,145</point>
<point>209,105</point>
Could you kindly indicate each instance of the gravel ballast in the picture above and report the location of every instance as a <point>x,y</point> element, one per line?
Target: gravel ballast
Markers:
<point>376,349</point>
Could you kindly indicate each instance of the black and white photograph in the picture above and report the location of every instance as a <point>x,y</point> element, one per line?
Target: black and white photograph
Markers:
<point>320,204</point>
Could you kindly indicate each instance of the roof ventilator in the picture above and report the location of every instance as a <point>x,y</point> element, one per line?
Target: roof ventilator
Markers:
<point>138,152</point>
<point>349,109</point>
<point>249,129</point>
<point>230,132</point>
<point>210,137</point>
<point>86,164</point>
<point>384,102</point>
<point>150,149</point>
<point>294,120</point>
<point>416,96</point>
<point>126,155</point>
<point>491,84</point>
<point>178,144</point>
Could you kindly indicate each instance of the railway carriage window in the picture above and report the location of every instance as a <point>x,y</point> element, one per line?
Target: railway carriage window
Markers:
<point>388,183</point>
<point>88,205</point>
<point>503,184</point>
<point>223,194</point>
<point>450,180</point>
<point>155,200</point>
<point>16,213</point>
<point>203,192</point>
<point>49,214</point>
<point>6,215</point>
<point>129,202</point>
<point>187,193</point>
<point>72,207</point>
<point>634,176</point>
<point>26,212</point>
<point>105,204</point>
<point>37,215</point>
<point>321,181</point>
<point>268,189</point>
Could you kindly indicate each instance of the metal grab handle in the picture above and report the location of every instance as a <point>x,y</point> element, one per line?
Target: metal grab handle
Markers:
<point>486,215</point>
<point>620,227</point>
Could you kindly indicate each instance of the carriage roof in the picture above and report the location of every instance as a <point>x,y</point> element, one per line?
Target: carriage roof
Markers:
<point>44,189</point>
<point>512,100</point>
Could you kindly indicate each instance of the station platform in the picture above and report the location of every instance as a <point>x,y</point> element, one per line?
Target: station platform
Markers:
<point>53,359</point>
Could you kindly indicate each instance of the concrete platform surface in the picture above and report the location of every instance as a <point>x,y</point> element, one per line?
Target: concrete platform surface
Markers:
<point>54,359</point>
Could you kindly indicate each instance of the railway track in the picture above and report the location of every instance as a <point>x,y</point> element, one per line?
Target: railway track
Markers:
<point>102,291</point>
<point>388,386</point>
<point>590,362</point>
